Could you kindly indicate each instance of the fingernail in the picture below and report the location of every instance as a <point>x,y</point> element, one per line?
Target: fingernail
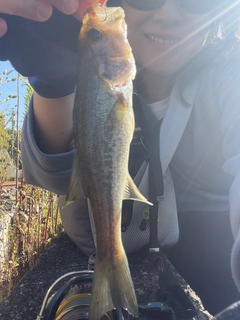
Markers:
<point>3,27</point>
<point>44,12</point>
<point>70,6</point>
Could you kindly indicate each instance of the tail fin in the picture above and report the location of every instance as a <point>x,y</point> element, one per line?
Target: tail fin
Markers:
<point>112,288</point>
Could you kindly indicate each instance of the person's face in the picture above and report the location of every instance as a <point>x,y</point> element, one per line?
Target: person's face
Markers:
<point>165,39</point>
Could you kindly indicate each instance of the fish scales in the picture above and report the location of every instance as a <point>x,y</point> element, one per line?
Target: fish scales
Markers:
<point>103,124</point>
<point>108,168</point>
<point>102,132</point>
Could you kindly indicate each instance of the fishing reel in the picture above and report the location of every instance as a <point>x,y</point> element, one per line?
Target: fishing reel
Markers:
<point>72,300</point>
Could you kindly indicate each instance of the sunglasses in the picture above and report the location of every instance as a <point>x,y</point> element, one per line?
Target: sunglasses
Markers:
<point>191,6</point>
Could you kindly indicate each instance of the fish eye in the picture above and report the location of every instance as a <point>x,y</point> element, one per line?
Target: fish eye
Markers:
<point>94,34</point>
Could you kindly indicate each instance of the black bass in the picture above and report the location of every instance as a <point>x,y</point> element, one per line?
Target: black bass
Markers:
<point>103,122</point>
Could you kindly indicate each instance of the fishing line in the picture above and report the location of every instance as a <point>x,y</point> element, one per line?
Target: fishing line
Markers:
<point>105,9</point>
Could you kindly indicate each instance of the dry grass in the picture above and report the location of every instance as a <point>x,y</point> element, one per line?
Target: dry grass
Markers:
<point>32,224</point>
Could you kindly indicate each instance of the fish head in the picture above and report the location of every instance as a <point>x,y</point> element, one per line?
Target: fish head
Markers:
<point>104,37</point>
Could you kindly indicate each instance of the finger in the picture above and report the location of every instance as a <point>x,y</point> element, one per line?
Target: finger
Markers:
<point>66,6</point>
<point>84,5</point>
<point>3,27</point>
<point>102,2</point>
<point>30,9</point>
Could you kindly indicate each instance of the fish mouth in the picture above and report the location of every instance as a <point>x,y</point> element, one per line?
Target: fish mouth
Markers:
<point>117,82</point>
<point>123,85</point>
<point>120,87</point>
<point>118,73</point>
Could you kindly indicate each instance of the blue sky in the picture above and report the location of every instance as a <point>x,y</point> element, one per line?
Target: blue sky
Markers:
<point>10,88</point>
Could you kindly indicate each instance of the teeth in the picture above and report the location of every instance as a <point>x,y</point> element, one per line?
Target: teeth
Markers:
<point>159,40</point>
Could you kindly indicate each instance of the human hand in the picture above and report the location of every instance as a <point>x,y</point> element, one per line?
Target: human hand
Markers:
<point>35,10</point>
<point>41,10</point>
<point>47,51</point>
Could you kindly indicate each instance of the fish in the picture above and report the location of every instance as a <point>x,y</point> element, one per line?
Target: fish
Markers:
<point>103,127</point>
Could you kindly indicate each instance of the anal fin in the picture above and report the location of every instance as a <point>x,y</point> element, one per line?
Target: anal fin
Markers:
<point>132,192</point>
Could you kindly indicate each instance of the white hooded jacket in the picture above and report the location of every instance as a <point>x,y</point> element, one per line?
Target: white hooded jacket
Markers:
<point>199,142</point>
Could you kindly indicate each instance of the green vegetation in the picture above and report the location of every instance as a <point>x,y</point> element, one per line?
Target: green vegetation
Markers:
<point>5,161</point>
<point>4,134</point>
<point>29,216</point>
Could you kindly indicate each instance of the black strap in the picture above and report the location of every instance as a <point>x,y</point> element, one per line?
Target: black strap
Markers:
<point>152,145</point>
<point>156,185</point>
<point>170,290</point>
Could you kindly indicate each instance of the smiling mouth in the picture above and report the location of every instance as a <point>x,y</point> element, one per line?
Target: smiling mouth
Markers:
<point>162,41</point>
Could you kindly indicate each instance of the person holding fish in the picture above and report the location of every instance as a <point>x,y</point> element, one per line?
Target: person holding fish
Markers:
<point>188,77</point>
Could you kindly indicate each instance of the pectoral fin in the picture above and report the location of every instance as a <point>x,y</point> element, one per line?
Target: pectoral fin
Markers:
<point>75,190</point>
<point>132,192</point>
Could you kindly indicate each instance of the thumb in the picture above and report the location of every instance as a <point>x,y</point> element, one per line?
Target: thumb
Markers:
<point>34,10</point>
<point>3,27</point>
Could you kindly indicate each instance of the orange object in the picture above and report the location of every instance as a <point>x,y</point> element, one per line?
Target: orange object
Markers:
<point>85,4</point>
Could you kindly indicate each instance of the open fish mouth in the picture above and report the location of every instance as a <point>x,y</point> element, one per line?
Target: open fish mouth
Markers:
<point>106,28</point>
<point>117,71</point>
<point>118,86</point>
<point>122,85</point>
